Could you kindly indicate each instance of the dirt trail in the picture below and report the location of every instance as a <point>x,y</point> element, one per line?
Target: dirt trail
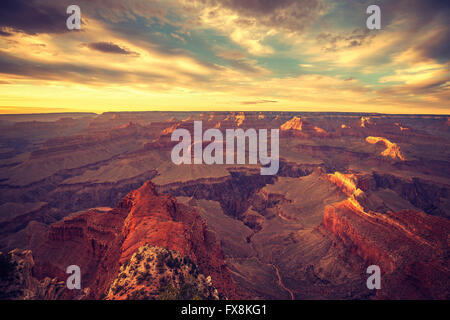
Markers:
<point>281,284</point>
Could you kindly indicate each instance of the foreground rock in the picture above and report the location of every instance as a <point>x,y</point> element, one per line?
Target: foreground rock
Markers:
<point>18,283</point>
<point>410,247</point>
<point>99,242</point>
<point>158,273</point>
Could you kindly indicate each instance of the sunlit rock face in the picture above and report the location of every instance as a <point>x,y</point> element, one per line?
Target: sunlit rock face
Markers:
<point>294,124</point>
<point>155,273</point>
<point>392,150</point>
<point>365,121</point>
<point>409,246</point>
<point>99,242</point>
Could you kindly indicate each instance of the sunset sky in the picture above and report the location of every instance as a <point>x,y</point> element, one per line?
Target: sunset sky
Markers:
<point>176,55</point>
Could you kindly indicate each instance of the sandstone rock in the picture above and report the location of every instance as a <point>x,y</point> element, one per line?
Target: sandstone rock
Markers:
<point>100,241</point>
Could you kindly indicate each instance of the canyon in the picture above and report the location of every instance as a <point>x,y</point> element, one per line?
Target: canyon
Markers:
<point>101,191</point>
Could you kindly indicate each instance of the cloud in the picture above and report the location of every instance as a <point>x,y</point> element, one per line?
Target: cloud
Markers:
<point>4,33</point>
<point>333,42</point>
<point>420,17</point>
<point>437,47</point>
<point>109,47</point>
<point>69,72</point>
<point>32,17</point>
<point>258,102</point>
<point>249,23</point>
<point>238,60</point>
<point>290,15</point>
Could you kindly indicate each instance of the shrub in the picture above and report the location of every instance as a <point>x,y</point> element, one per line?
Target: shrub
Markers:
<point>168,293</point>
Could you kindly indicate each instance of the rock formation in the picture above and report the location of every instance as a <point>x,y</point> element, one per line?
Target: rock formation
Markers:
<point>158,273</point>
<point>294,124</point>
<point>410,247</point>
<point>392,150</point>
<point>18,283</point>
<point>99,242</point>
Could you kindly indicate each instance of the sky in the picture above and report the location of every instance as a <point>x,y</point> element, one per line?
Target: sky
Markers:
<point>261,55</point>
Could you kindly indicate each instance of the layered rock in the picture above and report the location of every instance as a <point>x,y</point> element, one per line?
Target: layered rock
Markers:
<point>100,241</point>
<point>300,127</point>
<point>176,227</point>
<point>410,247</point>
<point>158,273</point>
<point>392,150</point>
<point>365,121</point>
<point>294,124</point>
<point>91,240</point>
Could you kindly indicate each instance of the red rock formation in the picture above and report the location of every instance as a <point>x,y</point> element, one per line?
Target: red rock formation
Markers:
<point>410,247</point>
<point>300,127</point>
<point>90,240</point>
<point>392,150</point>
<point>294,124</point>
<point>158,220</point>
<point>99,241</point>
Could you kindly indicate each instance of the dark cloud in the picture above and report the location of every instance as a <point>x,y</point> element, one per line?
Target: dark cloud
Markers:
<point>411,17</point>
<point>335,42</point>
<point>437,87</point>
<point>259,7</point>
<point>291,15</point>
<point>87,75</point>
<point>238,60</point>
<point>12,65</point>
<point>4,33</point>
<point>437,47</point>
<point>418,13</point>
<point>109,47</point>
<point>420,16</point>
<point>258,102</point>
<point>32,17</point>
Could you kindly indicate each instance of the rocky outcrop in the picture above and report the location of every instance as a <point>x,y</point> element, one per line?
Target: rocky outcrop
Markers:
<point>429,196</point>
<point>91,240</point>
<point>392,150</point>
<point>294,124</point>
<point>410,247</point>
<point>346,182</point>
<point>99,242</point>
<point>176,227</point>
<point>300,127</point>
<point>158,273</point>
<point>365,121</point>
<point>232,192</point>
<point>18,283</point>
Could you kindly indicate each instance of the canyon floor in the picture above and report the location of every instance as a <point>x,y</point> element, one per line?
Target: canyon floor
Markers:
<point>101,192</point>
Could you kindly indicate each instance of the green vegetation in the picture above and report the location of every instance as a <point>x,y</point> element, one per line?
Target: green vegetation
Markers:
<point>158,273</point>
<point>187,291</point>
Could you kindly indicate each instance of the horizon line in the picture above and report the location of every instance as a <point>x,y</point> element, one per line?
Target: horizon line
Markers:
<point>224,111</point>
